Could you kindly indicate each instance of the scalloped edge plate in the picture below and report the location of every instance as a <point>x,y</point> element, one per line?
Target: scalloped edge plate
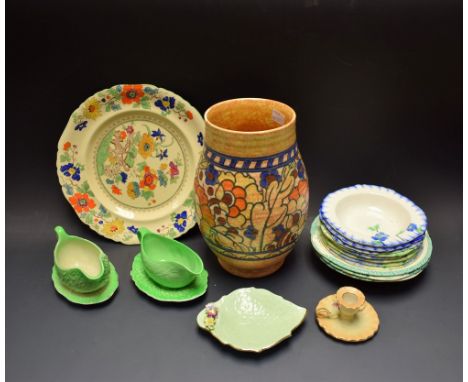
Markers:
<point>406,271</point>
<point>77,169</point>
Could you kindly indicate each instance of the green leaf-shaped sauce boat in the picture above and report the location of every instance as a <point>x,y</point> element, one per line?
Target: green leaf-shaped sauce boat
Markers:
<point>168,262</point>
<point>251,319</point>
<point>82,272</point>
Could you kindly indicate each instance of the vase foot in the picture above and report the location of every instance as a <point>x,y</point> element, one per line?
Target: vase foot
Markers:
<point>252,269</point>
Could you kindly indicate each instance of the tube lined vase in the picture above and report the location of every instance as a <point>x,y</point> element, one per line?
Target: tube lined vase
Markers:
<point>251,185</point>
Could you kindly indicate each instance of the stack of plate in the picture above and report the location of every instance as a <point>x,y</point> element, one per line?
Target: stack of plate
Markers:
<point>372,233</point>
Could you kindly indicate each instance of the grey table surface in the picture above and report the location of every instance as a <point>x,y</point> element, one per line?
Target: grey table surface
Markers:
<point>377,90</point>
<point>133,338</point>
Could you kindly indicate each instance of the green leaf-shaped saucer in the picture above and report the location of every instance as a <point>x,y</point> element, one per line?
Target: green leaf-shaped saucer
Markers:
<point>251,319</point>
<point>96,297</point>
<point>144,283</point>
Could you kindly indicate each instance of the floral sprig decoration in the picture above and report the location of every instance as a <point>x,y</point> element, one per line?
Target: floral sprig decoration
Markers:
<point>138,96</point>
<point>211,313</point>
<point>379,237</point>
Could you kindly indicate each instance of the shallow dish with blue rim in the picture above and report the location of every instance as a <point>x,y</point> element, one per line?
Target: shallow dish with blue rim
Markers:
<point>382,259</point>
<point>373,216</point>
<point>342,241</point>
<point>365,270</point>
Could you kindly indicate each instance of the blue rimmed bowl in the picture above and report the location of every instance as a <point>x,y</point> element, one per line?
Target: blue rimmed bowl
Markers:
<point>373,218</point>
<point>341,240</point>
<point>370,271</point>
<point>360,253</point>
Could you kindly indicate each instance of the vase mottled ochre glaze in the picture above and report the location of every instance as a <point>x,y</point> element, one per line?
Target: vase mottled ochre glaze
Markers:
<point>251,185</point>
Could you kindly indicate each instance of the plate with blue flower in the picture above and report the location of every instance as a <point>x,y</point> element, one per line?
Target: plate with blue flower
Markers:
<point>374,217</point>
<point>127,158</point>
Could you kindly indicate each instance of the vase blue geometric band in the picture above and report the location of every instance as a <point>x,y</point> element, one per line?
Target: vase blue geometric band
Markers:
<point>251,164</point>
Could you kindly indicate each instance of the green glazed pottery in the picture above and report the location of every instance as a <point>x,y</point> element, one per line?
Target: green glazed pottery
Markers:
<point>82,272</point>
<point>80,264</point>
<point>96,297</point>
<point>167,262</point>
<point>145,284</point>
<point>251,319</point>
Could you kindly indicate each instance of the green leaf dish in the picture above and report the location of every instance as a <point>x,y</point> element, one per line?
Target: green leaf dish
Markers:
<point>251,319</point>
<point>154,290</point>
<point>95,297</point>
<point>168,262</point>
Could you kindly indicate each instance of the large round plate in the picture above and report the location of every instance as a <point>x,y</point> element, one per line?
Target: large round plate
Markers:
<point>373,216</point>
<point>127,158</point>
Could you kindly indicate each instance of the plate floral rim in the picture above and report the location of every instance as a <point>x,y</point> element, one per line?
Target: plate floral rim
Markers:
<point>379,239</point>
<point>111,103</point>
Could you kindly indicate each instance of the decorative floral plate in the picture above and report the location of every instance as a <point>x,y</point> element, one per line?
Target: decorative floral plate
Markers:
<point>251,319</point>
<point>127,159</point>
<point>373,216</point>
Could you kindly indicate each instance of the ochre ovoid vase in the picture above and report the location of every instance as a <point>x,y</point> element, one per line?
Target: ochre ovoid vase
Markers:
<point>251,185</point>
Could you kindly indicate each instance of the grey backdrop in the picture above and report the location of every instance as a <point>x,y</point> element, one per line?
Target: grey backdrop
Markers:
<point>377,89</point>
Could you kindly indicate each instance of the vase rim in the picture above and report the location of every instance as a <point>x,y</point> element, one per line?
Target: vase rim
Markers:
<point>284,126</point>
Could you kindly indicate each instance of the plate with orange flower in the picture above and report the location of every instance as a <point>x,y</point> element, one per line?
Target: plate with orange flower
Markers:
<point>127,158</point>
